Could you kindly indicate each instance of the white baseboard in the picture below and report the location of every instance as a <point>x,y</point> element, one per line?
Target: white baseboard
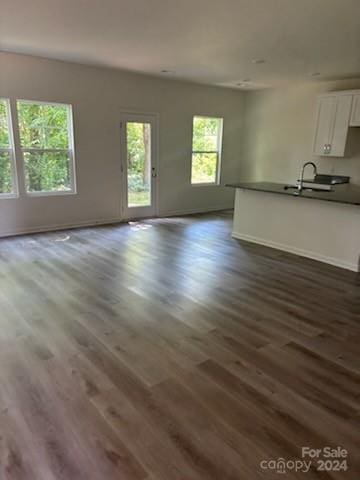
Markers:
<point>62,226</point>
<point>92,223</point>
<point>298,251</point>
<point>193,211</point>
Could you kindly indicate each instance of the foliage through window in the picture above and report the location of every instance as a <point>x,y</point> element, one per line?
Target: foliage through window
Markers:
<point>206,150</point>
<point>7,168</point>
<point>138,139</point>
<point>47,146</point>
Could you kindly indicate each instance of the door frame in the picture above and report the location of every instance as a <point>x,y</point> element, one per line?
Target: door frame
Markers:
<point>127,115</point>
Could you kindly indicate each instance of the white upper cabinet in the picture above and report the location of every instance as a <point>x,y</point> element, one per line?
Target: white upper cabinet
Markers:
<point>333,119</point>
<point>341,126</point>
<point>355,111</point>
<point>325,115</point>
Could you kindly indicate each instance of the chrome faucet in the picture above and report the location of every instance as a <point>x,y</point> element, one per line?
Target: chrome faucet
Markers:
<point>300,184</point>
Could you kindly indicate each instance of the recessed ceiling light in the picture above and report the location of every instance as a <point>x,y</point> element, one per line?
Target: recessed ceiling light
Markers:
<point>258,60</point>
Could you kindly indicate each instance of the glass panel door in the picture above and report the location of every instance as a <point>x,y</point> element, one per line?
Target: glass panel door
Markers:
<point>139,165</point>
<point>138,139</point>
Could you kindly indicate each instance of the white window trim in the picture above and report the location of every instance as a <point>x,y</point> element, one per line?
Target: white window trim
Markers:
<point>70,151</point>
<point>11,151</point>
<point>218,152</point>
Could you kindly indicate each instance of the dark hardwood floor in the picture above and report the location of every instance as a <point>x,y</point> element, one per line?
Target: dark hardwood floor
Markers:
<point>166,350</point>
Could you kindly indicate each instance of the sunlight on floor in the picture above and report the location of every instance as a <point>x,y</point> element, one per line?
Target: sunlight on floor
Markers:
<point>139,226</point>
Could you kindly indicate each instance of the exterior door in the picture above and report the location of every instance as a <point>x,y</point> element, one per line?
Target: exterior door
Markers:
<point>139,165</point>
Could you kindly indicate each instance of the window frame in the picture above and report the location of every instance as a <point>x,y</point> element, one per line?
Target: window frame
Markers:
<point>70,150</point>
<point>217,152</point>
<point>11,151</point>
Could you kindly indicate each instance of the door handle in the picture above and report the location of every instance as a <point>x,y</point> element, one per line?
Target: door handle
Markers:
<point>153,172</point>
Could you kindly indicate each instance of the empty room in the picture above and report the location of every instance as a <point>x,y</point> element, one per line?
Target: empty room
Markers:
<point>179,239</point>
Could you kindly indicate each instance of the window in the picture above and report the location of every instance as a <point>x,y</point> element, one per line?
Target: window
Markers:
<point>8,185</point>
<point>46,139</point>
<point>206,150</point>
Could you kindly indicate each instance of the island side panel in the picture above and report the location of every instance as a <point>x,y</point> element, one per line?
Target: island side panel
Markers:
<point>325,231</point>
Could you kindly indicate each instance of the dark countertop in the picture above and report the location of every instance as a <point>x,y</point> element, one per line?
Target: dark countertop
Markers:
<point>343,193</point>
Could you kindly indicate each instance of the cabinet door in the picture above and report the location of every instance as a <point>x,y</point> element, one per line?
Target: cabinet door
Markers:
<point>325,121</point>
<point>355,113</point>
<point>340,126</point>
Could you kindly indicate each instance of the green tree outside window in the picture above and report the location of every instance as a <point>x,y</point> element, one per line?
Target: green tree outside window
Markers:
<point>47,150</point>
<point>206,150</point>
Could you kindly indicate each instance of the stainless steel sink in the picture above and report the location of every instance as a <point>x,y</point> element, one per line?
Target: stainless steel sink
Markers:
<point>307,189</point>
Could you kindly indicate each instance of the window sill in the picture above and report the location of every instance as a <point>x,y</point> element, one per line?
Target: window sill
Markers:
<point>49,194</point>
<point>8,196</point>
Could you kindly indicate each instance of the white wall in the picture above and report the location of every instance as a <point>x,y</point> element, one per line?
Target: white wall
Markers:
<point>279,130</point>
<point>98,95</point>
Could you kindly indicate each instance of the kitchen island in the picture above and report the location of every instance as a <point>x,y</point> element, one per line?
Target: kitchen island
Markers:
<point>322,225</point>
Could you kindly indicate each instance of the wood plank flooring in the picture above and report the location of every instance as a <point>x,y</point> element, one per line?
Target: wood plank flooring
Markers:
<point>166,350</point>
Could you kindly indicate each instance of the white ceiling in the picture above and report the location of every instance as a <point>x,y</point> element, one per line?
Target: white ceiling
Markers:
<point>204,41</point>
